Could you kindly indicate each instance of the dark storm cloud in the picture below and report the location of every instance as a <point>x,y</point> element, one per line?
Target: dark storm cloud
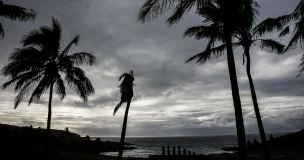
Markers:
<point>101,101</point>
<point>278,87</point>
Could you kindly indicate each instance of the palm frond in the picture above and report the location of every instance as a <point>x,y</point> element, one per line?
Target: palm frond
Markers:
<point>284,32</point>
<point>273,46</point>
<point>73,73</point>
<point>301,66</point>
<point>270,25</point>
<point>46,38</point>
<point>152,8</point>
<point>14,69</point>
<point>42,87</point>
<point>67,48</point>
<point>26,53</point>
<point>60,88</point>
<point>23,60</point>
<point>182,8</point>
<point>256,6</point>
<point>17,13</point>
<point>207,10</point>
<point>299,11</point>
<point>29,77</point>
<point>21,80</point>
<point>25,89</point>
<point>297,37</point>
<point>201,58</point>
<point>83,57</point>
<point>249,11</point>
<point>34,38</point>
<point>84,88</point>
<point>211,53</point>
<point>117,107</point>
<point>208,54</point>
<point>56,33</point>
<point>201,32</point>
<point>77,81</point>
<point>1,31</point>
<point>127,77</point>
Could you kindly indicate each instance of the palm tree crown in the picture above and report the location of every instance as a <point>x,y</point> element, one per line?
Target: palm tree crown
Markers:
<point>246,33</point>
<point>126,89</point>
<point>15,13</point>
<point>42,62</point>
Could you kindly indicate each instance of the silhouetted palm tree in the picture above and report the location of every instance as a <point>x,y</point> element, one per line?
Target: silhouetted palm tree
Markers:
<point>220,16</point>
<point>126,90</point>
<point>247,36</point>
<point>41,64</point>
<point>15,13</point>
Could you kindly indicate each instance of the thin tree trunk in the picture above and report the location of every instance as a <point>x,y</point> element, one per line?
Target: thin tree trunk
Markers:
<point>48,130</point>
<point>242,151</point>
<point>123,132</point>
<point>256,107</point>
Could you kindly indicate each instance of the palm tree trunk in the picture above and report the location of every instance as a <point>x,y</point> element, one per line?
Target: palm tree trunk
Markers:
<point>123,132</point>
<point>48,130</point>
<point>242,151</point>
<point>256,106</point>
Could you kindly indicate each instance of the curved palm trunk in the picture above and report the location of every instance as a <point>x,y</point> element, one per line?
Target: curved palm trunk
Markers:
<point>256,107</point>
<point>123,132</point>
<point>48,130</point>
<point>242,151</point>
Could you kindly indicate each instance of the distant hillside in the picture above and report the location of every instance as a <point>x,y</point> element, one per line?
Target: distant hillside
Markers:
<point>54,132</point>
<point>297,137</point>
<point>287,147</point>
<point>30,143</point>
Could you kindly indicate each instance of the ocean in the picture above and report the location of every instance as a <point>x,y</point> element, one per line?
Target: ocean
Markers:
<point>199,144</point>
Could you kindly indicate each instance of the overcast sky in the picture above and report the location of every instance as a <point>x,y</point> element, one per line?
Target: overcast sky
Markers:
<point>171,98</point>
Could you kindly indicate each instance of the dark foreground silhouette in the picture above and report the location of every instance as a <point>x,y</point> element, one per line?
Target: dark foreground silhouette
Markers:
<point>287,147</point>
<point>27,143</point>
